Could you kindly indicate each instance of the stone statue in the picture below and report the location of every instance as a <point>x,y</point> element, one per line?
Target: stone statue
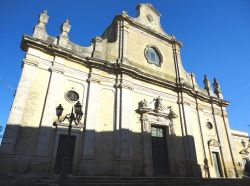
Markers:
<point>171,114</point>
<point>143,104</point>
<point>158,103</point>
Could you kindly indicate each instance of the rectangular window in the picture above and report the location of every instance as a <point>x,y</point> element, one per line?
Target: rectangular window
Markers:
<point>216,164</point>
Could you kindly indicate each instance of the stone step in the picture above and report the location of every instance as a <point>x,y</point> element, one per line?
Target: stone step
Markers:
<point>149,181</point>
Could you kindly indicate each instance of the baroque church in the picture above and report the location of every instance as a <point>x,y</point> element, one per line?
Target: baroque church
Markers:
<point>123,106</point>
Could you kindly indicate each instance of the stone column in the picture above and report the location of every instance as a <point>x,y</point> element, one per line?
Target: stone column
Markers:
<point>87,162</point>
<point>16,113</point>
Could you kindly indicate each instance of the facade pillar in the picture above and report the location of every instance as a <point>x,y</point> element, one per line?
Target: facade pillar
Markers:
<point>125,144</point>
<point>233,173</point>
<point>87,160</point>
<point>8,145</point>
<point>147,146</point>
<point>44,143</point>
<point>219,140</point>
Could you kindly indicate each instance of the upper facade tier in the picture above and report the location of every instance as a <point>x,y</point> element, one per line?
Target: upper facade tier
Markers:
<point>137,46</point>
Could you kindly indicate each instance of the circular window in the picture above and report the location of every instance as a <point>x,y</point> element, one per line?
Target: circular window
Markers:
<point>152,56</point>
<point>72,95</point>
<point>209,125</point>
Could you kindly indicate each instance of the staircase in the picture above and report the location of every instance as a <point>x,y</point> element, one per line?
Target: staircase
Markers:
<point>148,181</point>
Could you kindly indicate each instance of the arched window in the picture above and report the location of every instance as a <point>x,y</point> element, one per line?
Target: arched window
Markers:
<point>152,56</point>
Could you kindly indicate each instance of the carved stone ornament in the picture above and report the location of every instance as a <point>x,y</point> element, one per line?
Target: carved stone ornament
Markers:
<point>156,108</point>
<point>43,19</point>
<point>72,95</point>
<point>213,143</point>
<point>245,146</point>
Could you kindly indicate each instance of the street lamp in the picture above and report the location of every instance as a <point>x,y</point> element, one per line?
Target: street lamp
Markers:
<point>75,116</point>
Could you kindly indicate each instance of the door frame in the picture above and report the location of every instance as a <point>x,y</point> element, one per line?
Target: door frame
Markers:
<point>149,120</point>
<point>214,146</point>
<point>76,157</point>
<point>166,138</point>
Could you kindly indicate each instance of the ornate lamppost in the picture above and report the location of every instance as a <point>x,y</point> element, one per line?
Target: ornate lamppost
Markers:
<point>74,117</point>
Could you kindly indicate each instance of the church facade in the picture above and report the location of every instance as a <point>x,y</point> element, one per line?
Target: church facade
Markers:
<point>143,114</point>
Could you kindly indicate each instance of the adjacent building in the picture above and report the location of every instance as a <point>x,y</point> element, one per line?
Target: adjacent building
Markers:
<point>143,114</point>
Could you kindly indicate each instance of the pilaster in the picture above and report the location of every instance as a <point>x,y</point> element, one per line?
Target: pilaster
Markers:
<point>16,113</point>
<point>124,131</point>
<point>87,162</point>
<point>10,139</point>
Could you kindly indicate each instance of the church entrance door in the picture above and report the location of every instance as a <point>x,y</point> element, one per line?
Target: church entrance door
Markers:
<point>61,150</point>
<point>159,150</point>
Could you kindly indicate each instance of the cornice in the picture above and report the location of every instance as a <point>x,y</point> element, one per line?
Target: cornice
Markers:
<point>117,68</point>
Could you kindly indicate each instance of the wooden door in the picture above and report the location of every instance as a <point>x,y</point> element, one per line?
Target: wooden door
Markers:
<point>61,150</point>
<point>159,150</point>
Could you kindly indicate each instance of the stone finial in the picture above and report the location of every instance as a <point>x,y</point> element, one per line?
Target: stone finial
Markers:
<point>98,47</point>
<point>40,29</point>
<point>63,37</point>
<point>43,19</point>
<point>65,28</point>
<point>207,85</point>
<point>192,75</point>
<point>217,89</point>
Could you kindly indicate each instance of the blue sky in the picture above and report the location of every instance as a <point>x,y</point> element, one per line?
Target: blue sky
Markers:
<point>215,36</point>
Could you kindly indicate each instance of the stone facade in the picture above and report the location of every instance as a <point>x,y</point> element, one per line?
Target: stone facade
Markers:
<point>125,99</point>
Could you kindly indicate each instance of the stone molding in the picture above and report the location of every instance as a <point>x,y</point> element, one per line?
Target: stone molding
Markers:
<point>30,62</point>
<point>57,68</point>
<point>213,143</point>
<point>94,78</point>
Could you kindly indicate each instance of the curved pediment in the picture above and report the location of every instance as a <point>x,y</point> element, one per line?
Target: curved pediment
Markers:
<point>149,17</point>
